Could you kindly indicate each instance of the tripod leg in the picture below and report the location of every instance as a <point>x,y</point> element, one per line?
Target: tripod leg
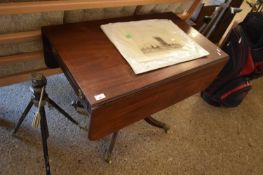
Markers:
<point>23,116</point>
<point>150,120</point>
<point>44,135</point>
<point>62,111</point>
<point>110,149</point>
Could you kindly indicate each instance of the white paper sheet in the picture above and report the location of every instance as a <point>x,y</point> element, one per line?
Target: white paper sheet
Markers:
<point>151,44</point>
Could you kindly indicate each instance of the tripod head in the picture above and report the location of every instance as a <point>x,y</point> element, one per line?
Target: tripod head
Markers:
<point>39,81</point>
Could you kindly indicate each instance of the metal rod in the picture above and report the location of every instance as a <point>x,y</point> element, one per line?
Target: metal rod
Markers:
<point>110,149</point>
<point>207,26</point>
<point>223,9</point>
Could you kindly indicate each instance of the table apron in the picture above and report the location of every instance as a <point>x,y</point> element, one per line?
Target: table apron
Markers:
<point>117,114</point>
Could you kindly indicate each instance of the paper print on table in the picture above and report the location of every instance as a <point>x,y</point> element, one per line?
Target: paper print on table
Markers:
<point>151,44</point>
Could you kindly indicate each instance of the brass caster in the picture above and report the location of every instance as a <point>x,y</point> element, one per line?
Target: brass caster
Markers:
<point>166,130</point>
<point>107,158</point>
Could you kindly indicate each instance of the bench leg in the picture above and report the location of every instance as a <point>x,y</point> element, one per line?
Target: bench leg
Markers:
<point>108,153</point>
<point>150,120</point>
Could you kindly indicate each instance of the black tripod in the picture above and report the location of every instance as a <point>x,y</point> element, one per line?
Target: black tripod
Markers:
<point>39,99</point>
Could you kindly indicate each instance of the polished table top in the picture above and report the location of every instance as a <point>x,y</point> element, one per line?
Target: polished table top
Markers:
<point>94,66</point>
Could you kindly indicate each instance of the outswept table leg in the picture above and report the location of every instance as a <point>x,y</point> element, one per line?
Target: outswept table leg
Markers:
<point>108,153</point>
<point>156,123</point>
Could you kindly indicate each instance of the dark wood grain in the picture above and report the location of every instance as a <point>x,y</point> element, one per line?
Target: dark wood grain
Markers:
<point>94,66</point>
<point>134,107</point>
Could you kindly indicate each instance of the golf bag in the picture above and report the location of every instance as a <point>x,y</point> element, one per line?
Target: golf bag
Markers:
<point>245,48</point>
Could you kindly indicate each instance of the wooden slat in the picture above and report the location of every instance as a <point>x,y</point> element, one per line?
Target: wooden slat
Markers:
<point>45,6</point>
<point>20,36</point>
<point>37,55</point>
<point>192,9</point>
<point>183,16</point>
<point>227,33</point>
<point>18,78</point>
